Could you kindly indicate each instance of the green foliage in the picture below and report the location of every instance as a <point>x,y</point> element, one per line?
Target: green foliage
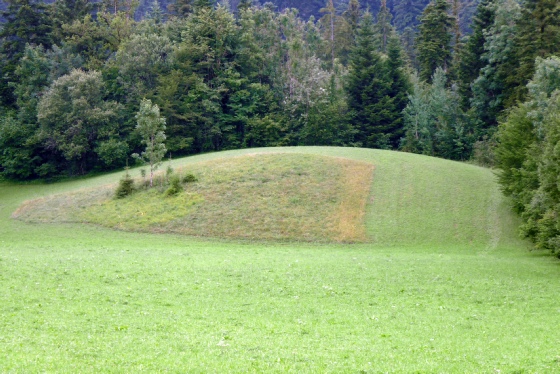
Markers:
<point>256,77</point>
<point>528,156</point>
<point>75,120</point>
<point>492,89</point>
<point>125,187</point>
<point>484,152</point>
<point>140,60</point>
<point>65,12</point>
<point>181,8</point>
<point>33,76</point>
<point>434,122</point>
<point>97,39</point>
<point>18,159</point>
<point>26,23</point>
<point>407,12</point>
<point>151,128</point>
<point>112,152</point>
<point>538,35</point>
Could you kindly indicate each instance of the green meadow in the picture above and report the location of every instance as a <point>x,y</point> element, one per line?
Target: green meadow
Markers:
<point>430,277</point>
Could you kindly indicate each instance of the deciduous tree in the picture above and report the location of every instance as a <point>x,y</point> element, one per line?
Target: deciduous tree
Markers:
<point>151,128</point>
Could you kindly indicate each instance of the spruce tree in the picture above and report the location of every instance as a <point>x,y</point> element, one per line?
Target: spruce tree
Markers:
<point>434,39</point>
<point>244,5</point>
<point>408,41</point>
<point>374,99</point>
<point>470,61</point>
<point>64,12</point>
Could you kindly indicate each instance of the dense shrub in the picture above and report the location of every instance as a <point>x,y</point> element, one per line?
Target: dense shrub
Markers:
<point>190,178</point>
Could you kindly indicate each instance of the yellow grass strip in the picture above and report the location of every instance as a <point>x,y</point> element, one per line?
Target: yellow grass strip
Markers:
<point>348,221</point>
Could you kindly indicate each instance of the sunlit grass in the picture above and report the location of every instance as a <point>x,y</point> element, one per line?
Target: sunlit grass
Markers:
<point>141,211</point>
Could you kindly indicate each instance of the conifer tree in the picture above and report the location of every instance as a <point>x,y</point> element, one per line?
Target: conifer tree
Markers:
<point>434,39</point>
<point>244,5</point>
<point>408,41</point>
<point>470,57</point>
<point>374,95</point>
<point>64,12</point>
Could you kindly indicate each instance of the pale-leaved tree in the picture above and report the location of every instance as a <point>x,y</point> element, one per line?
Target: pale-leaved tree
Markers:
<point>151,127</point>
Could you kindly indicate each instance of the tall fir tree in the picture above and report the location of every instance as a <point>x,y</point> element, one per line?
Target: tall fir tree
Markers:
<point>408,41</point>
<point>470,57</point>
<point>374,88</point>
<point>434,39</point>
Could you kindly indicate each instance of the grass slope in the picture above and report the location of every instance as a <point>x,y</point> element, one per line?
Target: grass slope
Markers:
<point>261,196</point>
<point>425,296</point>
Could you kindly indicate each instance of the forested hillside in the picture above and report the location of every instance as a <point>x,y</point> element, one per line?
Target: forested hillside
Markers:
<point>227,76</point>
<point>405,12</point>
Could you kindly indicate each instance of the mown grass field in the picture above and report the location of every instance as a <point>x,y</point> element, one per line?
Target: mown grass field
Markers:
<point>442,285</point>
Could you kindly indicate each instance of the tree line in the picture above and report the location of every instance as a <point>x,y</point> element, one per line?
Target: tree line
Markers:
<point>73,75</point>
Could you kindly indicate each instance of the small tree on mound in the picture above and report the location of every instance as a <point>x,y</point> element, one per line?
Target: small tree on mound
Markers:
<point>151,127</point>
<point>174,186</point>
<point>125,188</point>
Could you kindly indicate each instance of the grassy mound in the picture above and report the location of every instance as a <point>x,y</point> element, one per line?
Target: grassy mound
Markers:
<point>259,196</point>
